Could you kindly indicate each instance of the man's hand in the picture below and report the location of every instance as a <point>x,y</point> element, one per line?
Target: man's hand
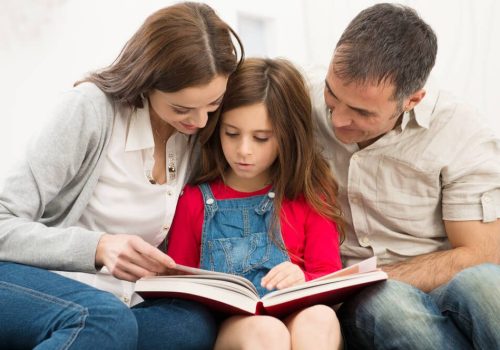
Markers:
<point>283,275</point>
<point>129,257</point>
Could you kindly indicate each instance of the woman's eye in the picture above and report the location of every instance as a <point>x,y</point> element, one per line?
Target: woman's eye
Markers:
<point>231,134</point>
<point>180,111</point>
<point>261,139</point>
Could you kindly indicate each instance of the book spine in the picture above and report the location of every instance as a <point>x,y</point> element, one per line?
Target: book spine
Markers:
<point>260,309</point>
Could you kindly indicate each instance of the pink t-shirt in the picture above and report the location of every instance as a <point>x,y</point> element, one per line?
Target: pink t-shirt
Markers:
<point>311,240</point>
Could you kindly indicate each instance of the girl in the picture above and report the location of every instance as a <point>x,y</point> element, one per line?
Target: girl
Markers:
<point>263,205</point>
<point>92,194</point>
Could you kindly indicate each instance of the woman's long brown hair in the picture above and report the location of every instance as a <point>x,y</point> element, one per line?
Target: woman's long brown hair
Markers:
<point>299,169</point>
<point>179,46</point>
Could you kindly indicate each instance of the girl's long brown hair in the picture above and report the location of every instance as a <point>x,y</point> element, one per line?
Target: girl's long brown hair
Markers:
<point>179,46</point>
<point>299,168</point>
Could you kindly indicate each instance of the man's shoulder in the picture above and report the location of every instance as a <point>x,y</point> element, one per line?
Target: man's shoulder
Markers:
<point>448,114</point>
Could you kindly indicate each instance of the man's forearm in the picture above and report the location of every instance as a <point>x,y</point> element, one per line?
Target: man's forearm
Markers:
<point>430,271</point>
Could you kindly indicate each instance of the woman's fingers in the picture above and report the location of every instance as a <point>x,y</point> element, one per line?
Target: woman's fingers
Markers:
<point>153,255</point>
<point>129,257</point>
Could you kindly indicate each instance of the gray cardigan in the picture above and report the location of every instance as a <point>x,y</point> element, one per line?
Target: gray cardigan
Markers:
<point>46,194</point>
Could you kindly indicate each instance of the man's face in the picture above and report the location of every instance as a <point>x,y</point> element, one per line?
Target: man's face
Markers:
<point>360,113</point>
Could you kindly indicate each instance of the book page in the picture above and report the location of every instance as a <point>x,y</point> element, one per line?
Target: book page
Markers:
<point>208,280</point>
<point>330,291</point>
<point>333,281</point>
<point>212,292</point>
<point>367,265</point>
<point>181,270</point>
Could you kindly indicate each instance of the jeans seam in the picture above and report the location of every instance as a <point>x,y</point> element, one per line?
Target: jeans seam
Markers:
<point>51,299</point>
<point>345,325</point>
<point>450,309</point>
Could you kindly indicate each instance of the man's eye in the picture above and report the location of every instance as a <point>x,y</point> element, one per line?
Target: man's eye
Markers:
<point>363,113</point>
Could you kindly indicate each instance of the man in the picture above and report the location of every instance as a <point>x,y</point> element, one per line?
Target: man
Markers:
<point>419,180</point>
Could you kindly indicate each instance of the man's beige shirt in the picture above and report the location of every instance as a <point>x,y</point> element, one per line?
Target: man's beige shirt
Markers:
<point>441,163</point>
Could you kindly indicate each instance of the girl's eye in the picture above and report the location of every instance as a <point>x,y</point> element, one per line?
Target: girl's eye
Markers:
<point>261,139</point>
<point>231,134</point>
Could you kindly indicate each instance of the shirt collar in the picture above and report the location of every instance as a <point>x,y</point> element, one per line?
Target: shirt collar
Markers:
<point>422,113</point>
<point>140,133</point>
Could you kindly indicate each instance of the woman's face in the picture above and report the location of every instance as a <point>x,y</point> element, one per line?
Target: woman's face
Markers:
<point>187,109</point>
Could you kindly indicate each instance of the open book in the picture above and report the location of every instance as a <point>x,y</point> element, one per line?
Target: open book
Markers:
<point>237,295</point>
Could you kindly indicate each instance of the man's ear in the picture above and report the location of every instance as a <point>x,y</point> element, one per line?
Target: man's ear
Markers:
<point>414,99</point>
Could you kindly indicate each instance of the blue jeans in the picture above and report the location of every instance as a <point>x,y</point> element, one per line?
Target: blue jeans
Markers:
<point>463,314</point>
<point>43,310</point>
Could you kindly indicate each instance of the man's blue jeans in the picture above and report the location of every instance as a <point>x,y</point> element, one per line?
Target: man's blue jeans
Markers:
<point>463,314</point>
<point>43,310</point>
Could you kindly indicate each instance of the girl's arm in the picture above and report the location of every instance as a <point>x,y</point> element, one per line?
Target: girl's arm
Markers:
<point>184,237</point>
<point>321,249</point>
<point>313,239</point>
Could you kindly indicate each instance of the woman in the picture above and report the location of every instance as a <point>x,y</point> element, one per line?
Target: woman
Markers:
<point>92,194</point>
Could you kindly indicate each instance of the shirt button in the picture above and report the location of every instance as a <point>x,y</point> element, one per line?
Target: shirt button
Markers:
<point>169,193</point>
<point>125,300</point>
<point>365,241</point>
<point>486,199</point>
<point>210,201</point>
<point>166,227</point>
<point>355,157</point>
<point>271,194</point>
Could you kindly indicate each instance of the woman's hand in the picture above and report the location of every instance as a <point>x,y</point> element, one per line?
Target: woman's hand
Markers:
<point>283,275</point>
<point>129,257</point>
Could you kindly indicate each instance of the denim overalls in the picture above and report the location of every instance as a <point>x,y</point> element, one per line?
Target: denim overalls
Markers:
<point>235,237</point>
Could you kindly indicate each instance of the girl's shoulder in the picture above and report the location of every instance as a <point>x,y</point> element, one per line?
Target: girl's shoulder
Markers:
<point>190,192</point>
<point>194,192</point>
<point>299,208</point>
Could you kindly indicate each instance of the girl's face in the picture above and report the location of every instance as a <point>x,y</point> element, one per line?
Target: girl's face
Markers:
<point>187,109</point>
<point>249,145</point>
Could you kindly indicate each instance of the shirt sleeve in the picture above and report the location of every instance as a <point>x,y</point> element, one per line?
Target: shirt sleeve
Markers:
<point>471,179</point>
<point>321,249</point>
<point>184,237</point>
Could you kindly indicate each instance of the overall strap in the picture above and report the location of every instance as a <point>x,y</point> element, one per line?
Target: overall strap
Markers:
<point>209,201</point>
<point>266,203</point>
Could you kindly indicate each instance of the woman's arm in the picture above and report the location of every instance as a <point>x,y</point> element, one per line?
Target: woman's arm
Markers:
<point>46,193</point>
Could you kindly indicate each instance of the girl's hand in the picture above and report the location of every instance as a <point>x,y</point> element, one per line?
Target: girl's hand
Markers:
<point>283,275</point>
<point>129,257</point>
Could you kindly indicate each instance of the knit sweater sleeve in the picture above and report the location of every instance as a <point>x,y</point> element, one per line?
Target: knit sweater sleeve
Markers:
<point>44,196</point>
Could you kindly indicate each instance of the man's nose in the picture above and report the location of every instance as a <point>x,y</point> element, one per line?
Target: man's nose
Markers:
<point>339,118</point>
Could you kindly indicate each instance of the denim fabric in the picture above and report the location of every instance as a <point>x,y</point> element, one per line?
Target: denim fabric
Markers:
<point>174,324</point>
<point>43,310</point>
<point>463,314</point>
<point>235,237</point>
